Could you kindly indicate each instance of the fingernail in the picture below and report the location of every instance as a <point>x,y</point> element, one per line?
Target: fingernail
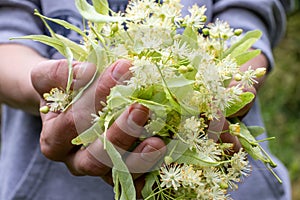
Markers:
<point>150,153</point>
<point>138,115</point>
<point>120,71</point>
<point>80,70</point>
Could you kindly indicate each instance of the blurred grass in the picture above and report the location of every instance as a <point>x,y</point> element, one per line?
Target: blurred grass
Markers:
<point>280,102</point>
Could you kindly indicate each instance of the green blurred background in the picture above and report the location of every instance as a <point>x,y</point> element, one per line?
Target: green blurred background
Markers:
<point>280,101</point>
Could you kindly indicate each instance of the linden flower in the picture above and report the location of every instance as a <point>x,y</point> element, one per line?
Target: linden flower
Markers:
<point>57,99</point>
<point>171,176</point>
<point>196,19</point>
<point>220,29</point>
<point>191,178</point>
<point>145,73</point>
<point>248,78</point>
<point>192,131</point>
<point>180,50</point>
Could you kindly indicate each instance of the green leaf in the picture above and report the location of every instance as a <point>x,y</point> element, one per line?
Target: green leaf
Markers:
<point>189,37</point>
<point>150,179</point>
<point>70,68</point>
<point>89,135</point>
<point>121,175</point>
<point>194,158</point>
<point>179,81</point>
<point>50,41</point>
<point>79,51</point>
<point>89,13</point>
<point>244,44</point>
<point>98,56</point>
<point>159,109</point>
<point>101,6</point>
<point>244,99</point>
<point>59,43</point>
<point>256,130</point>
<point>119,96</point>
<point>181,153</point>
<point>245,57</point>
<point>63,23</point>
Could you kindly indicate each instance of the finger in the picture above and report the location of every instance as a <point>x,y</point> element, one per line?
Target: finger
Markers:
<point>228,138</point>
<point>59,129</point>
<point>122,134</point>
<point>145,156</point>
<point>56,135</point>
<point>218,131</point>
<point>54,74</point>
<point>90,101</point>
<point>242,112</point>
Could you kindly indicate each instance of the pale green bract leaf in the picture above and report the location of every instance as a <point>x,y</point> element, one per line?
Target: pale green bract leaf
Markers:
<point>119,96</point>
<point>121,173</point>
<point>181,153</point>
<point>189,37</point>
<point>70,68</point>
<point>190,157</point>
<point>256,130</point>
<point>244,99</point>
<point>50,41</point>
<point>59,43</point>
<point>63,23</point>
<point>179,81</point>
<point>81,91</point>
<point>150,179</point>
<point>101,6</point>
<point>243,44</point>
<point>88,136</point>
<point>89,13</point>
<point>245,57</point>
<point>79,51</point>
<point>98,56</point>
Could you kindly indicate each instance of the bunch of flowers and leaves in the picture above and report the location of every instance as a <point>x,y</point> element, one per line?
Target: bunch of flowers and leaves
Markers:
<point>181,70</point>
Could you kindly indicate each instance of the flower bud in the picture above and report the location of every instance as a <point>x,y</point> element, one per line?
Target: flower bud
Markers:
<point>168,160</point>
<point>44,109</point>
<point>46,95</point>
<point>183,69</point>
<point>190,68</point>
<point>238,32</point>
<point>205,31</point>
<point>203,18</point>
<point>260,72</point>
<point>238,77</point>
<point>235,129</point>
<point>223,185</point>
<point>115,27</point>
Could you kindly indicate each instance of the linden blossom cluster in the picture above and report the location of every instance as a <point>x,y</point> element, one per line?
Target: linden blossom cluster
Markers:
<point>180,71</point>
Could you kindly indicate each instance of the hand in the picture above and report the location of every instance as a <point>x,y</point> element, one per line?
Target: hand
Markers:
<point>222,125</point>
<point>60,128</point>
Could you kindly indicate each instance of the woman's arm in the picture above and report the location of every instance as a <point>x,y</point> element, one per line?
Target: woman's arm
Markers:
<point>16,89</point>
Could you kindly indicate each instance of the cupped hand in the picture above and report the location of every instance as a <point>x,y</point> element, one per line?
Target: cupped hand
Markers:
<point>59,128</point>
<point>221,126</point>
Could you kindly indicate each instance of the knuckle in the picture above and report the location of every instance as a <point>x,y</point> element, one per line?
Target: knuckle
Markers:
<point>121,143</point>
<point>58,71</point>
<point>104,85</point>
<point>46,149</point>
<point>89,165</point>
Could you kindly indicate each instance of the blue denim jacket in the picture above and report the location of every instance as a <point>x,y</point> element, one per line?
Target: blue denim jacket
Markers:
<point>26,174</point>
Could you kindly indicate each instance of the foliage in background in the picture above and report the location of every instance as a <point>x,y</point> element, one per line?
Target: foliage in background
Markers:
<point>280,99</point>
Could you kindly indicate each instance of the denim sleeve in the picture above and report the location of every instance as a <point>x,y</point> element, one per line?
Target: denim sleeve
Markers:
<point>17,19</point>
<point>269,16</point>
